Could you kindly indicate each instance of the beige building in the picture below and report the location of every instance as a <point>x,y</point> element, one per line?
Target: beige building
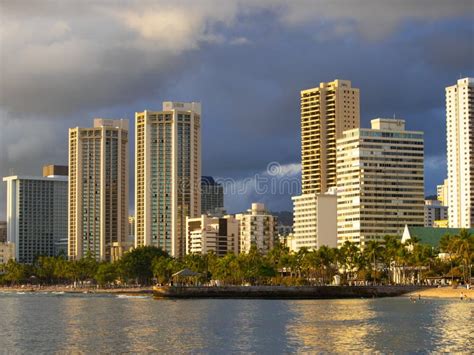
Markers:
<point>380,183</point>
<point>257,227</point>
<point>207,234</point>
<point>167,174</point>
<point>442,193</point>
<point>98,190</point>
<point>7,252</point>
<point>326,111</point>
<point>314,221</point>
<point>460,155</point>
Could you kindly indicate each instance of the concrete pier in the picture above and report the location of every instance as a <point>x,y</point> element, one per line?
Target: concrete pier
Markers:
<point>282,292</point>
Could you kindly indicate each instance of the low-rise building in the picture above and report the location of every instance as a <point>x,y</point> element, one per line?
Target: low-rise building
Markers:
<point>257,228</point>
<point>315,221</point>
<point>208,234</point>
<point>441,223</point>
<point>429,235</point>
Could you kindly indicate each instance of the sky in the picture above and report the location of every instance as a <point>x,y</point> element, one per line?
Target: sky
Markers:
<point>62,63</point>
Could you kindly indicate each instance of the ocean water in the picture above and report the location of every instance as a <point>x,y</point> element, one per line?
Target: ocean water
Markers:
<point>46,323</point>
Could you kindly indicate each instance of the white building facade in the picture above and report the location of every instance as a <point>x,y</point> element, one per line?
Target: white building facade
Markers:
<point>380,178</point>
<point>460,152</point>
<point>314,221</point>
<point>36,215</point>
<point>206,234</point>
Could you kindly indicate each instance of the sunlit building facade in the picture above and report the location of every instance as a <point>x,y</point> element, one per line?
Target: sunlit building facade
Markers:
<point>380,183</point>
<point>167,174</point>
<point>326,111</point>
<point>314,221</point>
<point>257,228</point>
<point>218,235</point>
<point>460,152</point>
<point>98,190</point>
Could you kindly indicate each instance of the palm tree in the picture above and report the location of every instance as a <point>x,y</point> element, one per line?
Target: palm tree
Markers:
<point>373,249</point>
<point>463,246</point>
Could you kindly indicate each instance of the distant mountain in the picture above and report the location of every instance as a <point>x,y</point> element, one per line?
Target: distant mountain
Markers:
<point>284,217</point>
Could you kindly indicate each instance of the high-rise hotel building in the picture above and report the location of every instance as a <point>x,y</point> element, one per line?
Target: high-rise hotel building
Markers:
<point>98,190</point>
<point>380,181</point>
<point>37,214</point>
<point>326,111</point>
<point>167,174</point>
<point>460,155</point>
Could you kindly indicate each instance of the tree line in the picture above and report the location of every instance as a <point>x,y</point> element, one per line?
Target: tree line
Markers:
<point>148,265</point>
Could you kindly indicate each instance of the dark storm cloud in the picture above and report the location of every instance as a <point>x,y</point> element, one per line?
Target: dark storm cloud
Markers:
<point>245,60</point>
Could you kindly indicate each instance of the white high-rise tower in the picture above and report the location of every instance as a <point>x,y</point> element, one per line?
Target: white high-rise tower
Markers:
<point>460,155</point>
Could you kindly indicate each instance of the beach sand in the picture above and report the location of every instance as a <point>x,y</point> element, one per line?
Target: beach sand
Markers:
<point>443,292</point>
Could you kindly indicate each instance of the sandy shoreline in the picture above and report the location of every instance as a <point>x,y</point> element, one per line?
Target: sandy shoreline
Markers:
<point>91,290</point>
<point>443,292</point>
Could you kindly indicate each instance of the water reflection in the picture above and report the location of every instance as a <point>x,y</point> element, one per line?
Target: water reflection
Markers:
<point>106,324</point>
<point>454,326</point>
<point>338,325</point>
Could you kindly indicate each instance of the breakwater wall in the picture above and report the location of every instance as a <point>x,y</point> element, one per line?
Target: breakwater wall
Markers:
<point>282,292</point>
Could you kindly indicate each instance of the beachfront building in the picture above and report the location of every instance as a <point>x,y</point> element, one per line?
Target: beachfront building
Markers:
<point>212,196</point>
<point>98,190</point>
<point>167,174</point>
<point>36,216</point>
<point>434,211</point>
<point>326,111</point>
<point>315,221</point>
<point>460,152</point>
<point>380,184</point>
<point>216,235</point>
<point>257,228</point>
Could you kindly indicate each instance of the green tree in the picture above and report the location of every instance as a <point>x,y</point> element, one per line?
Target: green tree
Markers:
<point>106,273</point>
<point>138,263</point>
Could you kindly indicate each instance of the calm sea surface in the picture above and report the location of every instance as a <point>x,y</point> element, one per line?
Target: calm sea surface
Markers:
<point>45,323</point>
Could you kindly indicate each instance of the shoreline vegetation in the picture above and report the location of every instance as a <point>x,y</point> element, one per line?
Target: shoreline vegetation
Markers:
<point>377,265</point>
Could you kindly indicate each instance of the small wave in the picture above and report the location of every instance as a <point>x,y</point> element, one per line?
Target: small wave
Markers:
<point>58,292</point>
<point>131,296</point>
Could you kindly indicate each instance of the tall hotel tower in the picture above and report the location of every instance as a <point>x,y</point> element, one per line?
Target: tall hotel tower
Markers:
<point>460,141</point>
<point>98,190</point>
<point>167,174</point>
<point>326,111</point>
<point>380,181</point>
